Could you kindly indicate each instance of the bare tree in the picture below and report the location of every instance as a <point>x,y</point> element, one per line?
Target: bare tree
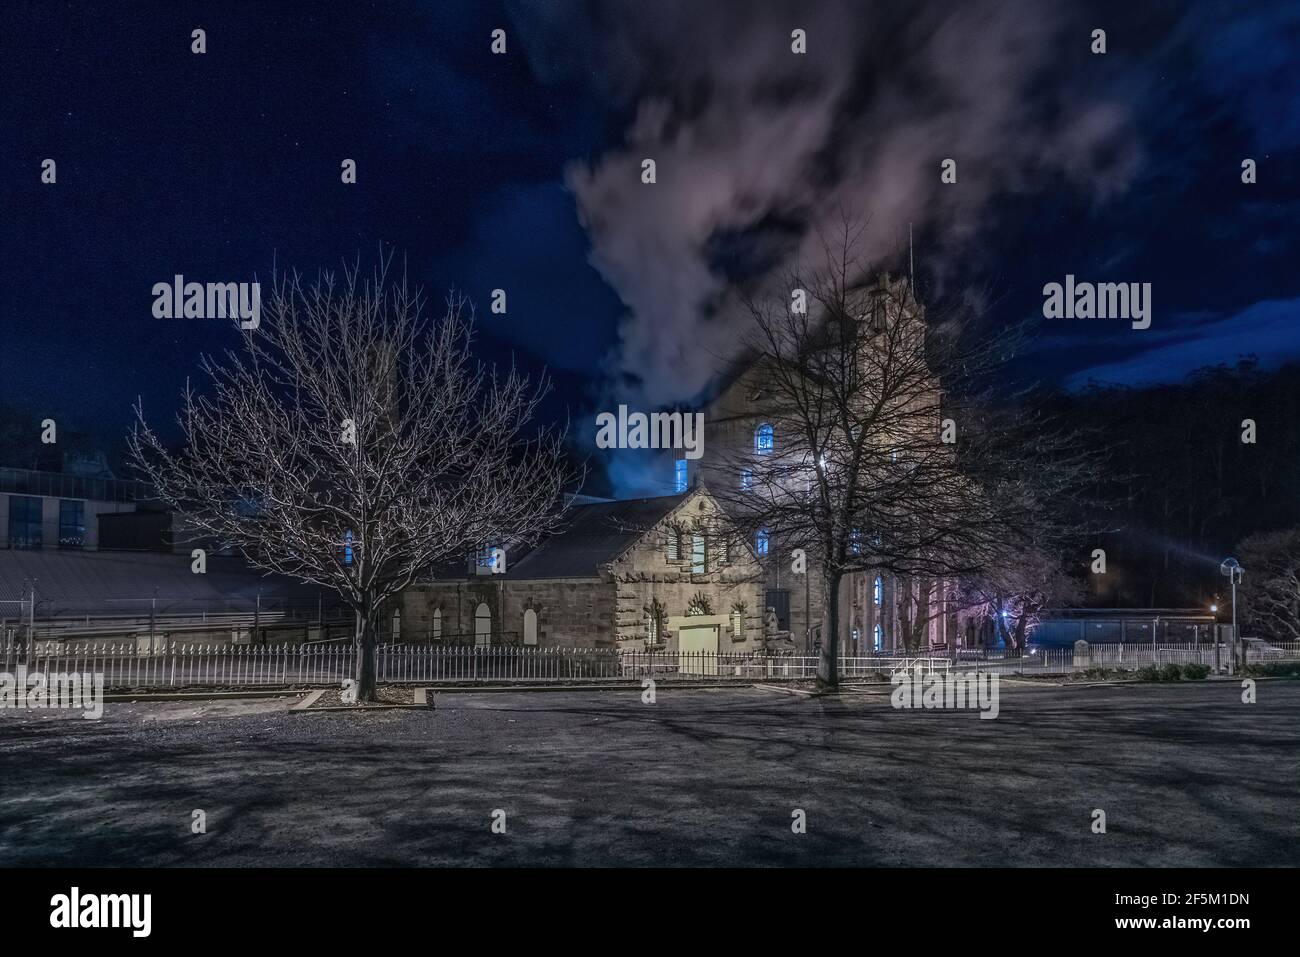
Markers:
<point>1010,597</point>
<point>889,450</point>
<point>922,600</point>
<point>353,443</point>
<point>1270,590</point>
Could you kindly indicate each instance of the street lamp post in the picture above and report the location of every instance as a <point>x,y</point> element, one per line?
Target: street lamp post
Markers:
<point>1233,570</point>
<point>1214,635</point>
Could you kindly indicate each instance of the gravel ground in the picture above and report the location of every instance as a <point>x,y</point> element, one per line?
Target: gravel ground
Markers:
<point>1186,774</point>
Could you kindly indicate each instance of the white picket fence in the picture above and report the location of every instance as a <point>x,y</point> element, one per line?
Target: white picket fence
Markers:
<point>145,664</point>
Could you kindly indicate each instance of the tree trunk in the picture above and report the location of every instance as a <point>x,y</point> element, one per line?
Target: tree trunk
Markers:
<point>1000,623</point>
<point>363,672</point>
<point>1022,625</point>
<point>828,666</point>
<point>921,621</point>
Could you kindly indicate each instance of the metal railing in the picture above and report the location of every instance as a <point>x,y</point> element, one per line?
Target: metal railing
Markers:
<point>62,485</point>
<point>1128,657</point>
<point>160,662</point>
<point>117,620</point>
<point>148,663</point>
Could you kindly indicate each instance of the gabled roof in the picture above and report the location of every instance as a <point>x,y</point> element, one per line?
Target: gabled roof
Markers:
<point>593,536</point>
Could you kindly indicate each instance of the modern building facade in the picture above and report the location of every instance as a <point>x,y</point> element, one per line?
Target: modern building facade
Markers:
<point>58,510</point>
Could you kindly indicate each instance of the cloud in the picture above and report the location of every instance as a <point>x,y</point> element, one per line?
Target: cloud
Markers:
<point>746,133</point>
<point>1275,321</point>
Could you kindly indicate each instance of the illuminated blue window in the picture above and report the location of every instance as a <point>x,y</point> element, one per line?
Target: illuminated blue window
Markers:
<point>347,548</point>
<point>764,439</point>
<point>877,592</point>
<point>746,479</point>
<point>878,638</point>
<point>680,475</point>
<point>72,523</point>
<point>24,521</point>
<point>760,541</point>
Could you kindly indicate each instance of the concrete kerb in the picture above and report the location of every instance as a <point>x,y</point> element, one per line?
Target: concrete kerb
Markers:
<point>603,686</point>
<point>291,691</point>
<point>296,691</point>
<point>146,696</point>
<point>305,705</point>
<point>308,701</point>
<point>801,692</point>
<point>361,709</point>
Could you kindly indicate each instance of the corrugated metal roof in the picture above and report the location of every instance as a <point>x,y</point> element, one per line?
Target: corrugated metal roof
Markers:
<point>95,577</point>
<point>593,535</point>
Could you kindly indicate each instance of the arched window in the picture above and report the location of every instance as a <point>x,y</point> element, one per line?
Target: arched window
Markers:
<point>436,625</point>
<point>652,627</point>
<point>878,638</point>
<point>482,624</point>
<point>397,625</point>
<point>878,590</point>
<point>680,475</point>
<point>760,541</point>
<point>530,627</point>
<point>764,439</point>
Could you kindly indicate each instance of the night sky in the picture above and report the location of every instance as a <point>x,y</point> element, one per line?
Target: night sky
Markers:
<point>521,171</point>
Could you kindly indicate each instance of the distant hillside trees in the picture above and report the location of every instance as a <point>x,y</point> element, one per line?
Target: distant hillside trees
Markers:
<point>1189,488</point>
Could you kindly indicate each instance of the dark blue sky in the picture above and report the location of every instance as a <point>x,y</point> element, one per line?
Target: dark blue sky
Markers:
<point>513,171</point>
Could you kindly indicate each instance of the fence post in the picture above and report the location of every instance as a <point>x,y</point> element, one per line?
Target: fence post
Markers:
<point>31,625</point>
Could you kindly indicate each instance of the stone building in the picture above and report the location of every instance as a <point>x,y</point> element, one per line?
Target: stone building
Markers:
<point>665,573</point>
<point>739,429</point>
